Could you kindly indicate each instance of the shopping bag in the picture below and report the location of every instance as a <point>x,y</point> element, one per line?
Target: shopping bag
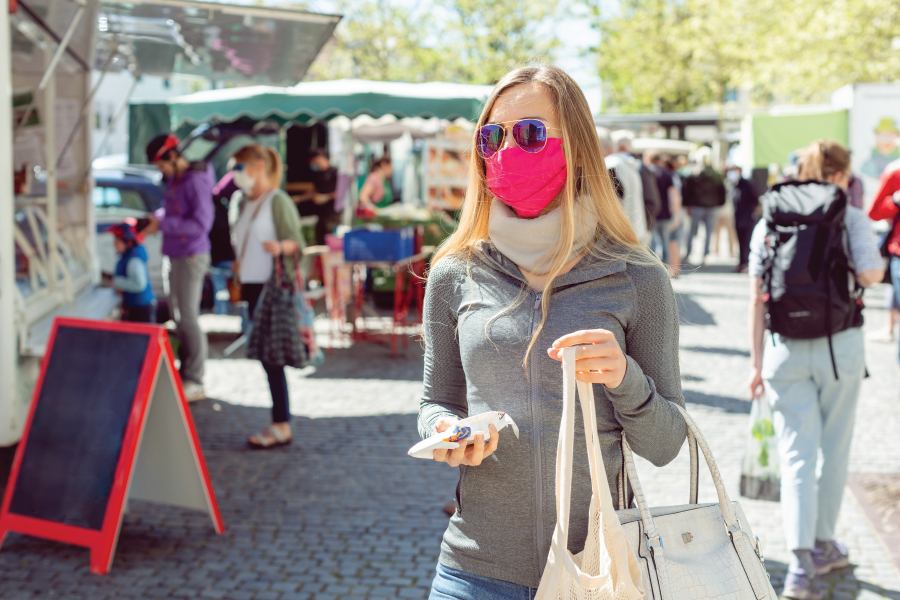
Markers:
<point>305,315</point>
<point>275,337</point>
<point>760,473</point>
<point>607,568</point>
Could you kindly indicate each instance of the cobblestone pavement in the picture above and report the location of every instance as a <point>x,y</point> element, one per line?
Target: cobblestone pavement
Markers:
<point>344,513</point>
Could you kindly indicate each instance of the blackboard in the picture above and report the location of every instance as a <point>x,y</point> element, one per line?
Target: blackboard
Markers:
<point>80,417</point>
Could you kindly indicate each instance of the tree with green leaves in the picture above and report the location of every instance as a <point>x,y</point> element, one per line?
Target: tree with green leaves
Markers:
<point>464,41</point>
<point>675,55</point>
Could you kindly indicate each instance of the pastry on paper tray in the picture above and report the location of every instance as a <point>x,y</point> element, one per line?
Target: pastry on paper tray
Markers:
<point>463,430</point>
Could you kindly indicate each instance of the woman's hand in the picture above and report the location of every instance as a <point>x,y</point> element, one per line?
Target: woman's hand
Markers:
<point>272,247</point>
<point>600,360</point>
<point>757,389</point>
<point>467,454</point>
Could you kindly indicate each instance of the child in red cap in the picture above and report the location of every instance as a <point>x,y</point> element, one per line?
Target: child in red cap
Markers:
<point>132,275</point>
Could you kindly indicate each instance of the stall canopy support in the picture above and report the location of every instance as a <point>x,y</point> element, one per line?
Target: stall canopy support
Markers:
<point>8,346</point>
<point>51,65</point>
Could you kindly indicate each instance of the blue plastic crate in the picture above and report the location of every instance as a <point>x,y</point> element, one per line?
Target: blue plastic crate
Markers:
<point>371,246</point>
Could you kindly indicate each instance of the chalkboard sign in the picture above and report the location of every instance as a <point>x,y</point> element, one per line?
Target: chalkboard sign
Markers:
<point>78,427</point>
<point>108,421</point>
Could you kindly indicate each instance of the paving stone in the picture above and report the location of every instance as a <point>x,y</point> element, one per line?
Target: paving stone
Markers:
<point>342,512</point>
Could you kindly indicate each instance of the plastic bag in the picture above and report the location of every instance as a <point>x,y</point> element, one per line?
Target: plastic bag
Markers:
<point>761,473</point>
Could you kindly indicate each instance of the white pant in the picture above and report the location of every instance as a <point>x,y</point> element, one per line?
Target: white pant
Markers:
<point>813,416</point>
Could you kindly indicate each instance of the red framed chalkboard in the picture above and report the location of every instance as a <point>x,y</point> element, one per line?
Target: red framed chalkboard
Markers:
<point>108,422</point>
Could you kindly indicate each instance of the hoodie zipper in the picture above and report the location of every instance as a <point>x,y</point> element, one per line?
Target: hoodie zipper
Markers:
<point>535,424</point>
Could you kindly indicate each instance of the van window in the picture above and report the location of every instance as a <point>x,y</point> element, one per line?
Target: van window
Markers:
<point>110,197</point>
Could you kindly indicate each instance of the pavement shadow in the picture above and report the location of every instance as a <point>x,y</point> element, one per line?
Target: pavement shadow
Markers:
<point>841,584</point>
<point>341,506</point>
<point>725,403</point>
<point>691,313</point>
<point>715,350</point>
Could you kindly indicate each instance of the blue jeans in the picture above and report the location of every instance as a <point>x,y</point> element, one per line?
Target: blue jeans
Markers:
<point>708,217</point>
<point>218,276</point>
<point>895,276</point>
<point>450,584</point>
<point>661,237</point>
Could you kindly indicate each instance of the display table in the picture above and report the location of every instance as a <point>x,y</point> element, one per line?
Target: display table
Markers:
<point>403,315</point>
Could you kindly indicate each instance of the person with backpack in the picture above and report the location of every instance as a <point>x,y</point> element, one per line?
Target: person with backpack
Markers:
<point>810,256</point>
<point>703,192</point>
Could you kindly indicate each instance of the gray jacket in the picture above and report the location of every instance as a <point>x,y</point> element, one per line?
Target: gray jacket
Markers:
<point>479,319</point>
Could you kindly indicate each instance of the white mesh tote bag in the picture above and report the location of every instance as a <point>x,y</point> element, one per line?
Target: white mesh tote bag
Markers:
<point>694,551</point>
<point>607,569</point>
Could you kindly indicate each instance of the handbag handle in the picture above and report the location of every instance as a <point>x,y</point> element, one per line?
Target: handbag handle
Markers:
<point>695,473</point>
<point>724,501</point>
<point>599,483</point>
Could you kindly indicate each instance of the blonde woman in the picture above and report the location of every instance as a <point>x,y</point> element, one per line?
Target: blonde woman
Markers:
<point>812,379</point>
<point>269,226</point>
<point>544,258</point>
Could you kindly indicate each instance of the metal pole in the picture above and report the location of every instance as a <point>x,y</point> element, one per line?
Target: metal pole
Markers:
<point>87,103</point>
<point>51,65</point>
<point>10,423</point>
<point>50,152</point>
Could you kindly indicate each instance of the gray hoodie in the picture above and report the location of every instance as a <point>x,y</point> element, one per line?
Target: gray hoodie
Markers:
<point>478,322</point>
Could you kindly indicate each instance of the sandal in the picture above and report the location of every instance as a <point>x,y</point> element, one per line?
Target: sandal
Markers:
<point>274,439</point>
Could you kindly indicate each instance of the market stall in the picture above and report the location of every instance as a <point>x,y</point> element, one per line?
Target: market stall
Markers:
<point>48,48</point>
<point>355,121</point>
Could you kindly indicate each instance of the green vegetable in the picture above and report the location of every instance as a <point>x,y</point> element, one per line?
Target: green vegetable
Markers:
<point>761,430</point>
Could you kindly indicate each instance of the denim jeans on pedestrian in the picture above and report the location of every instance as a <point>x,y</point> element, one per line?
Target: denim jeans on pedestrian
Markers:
<point>450,584</point>
<point>661,237</point>
<point>218,276</point>
<point>185,288</point>
<point>813,412</point>
<point>895,277</point>
<point>281,401</point>
<point>708,217</point>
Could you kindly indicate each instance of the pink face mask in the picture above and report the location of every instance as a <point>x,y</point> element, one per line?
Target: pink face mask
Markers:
<point>527,182</point>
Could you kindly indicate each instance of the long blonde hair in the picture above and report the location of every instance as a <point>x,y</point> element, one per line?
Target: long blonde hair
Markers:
<point>587,180</point>
<point>270,157</point>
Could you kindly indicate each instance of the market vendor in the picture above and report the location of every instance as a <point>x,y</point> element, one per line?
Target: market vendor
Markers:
<point>322,206</point>
<point>376,192</point>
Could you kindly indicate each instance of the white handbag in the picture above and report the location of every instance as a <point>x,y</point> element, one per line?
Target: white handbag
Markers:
<point>607,568</point>
<point>689,552</point>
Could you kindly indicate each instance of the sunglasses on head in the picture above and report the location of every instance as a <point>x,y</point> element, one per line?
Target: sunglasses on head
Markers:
<point>529,134</point>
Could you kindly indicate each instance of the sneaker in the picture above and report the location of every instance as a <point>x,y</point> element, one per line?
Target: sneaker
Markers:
<point>193,391</point>
<point>800,585</point>
<point>835,556</point>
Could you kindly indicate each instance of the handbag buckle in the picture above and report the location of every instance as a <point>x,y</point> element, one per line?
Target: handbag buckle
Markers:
<point>730,531</point>
<point>658,538</point>
<point>759,554</point>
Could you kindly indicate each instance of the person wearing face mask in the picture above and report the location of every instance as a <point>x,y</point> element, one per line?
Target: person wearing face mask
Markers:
<point>268,226</point>
<point>185,221</point>
<point>812,365</point>
<point>544,258</point>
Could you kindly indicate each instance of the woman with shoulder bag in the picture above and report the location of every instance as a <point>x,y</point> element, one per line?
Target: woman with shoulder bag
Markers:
<point>268,227</point>
<point>544,258</point>
<point>812,378</point>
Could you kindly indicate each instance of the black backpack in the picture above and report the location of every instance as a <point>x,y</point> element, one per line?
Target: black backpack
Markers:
<point>808,286</point>
<point>706,189</point>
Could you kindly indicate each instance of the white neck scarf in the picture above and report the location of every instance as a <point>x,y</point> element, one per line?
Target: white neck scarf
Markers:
<point>529,242</point>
